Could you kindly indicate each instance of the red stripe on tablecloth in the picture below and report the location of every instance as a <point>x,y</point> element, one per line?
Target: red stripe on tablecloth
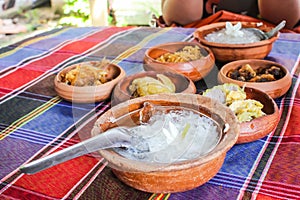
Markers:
<point>54,182</point>
<point>30,71</point>
<point>264,197</point>
<point>285,165</point>
<point>293,127</point>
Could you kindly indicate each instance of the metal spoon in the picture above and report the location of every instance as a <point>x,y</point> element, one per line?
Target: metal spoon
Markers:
<point>266,35</point>
<point>116,137</point>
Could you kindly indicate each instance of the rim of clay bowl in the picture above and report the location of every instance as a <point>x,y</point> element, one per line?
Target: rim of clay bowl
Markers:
<point>199,35</point>
<point>124,164</point>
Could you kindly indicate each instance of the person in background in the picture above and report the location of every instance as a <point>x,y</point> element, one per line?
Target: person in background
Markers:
<point>273,11</point>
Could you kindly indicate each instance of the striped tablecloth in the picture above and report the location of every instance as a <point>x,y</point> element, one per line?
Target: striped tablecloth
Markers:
<point>35,122</point>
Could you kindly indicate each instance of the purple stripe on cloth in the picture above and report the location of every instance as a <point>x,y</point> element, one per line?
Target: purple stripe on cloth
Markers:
<point>207,192</point>
<point>19,152</point>
<point>39,48</point>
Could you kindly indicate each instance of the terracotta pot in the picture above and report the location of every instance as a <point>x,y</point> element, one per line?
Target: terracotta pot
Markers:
<point>171,177</point>
<point>274,88</point>
<point>262,126</point>
<point>122,93</point>
<point>232,52</point>
<point>88,94</point>
<point>195,70</point>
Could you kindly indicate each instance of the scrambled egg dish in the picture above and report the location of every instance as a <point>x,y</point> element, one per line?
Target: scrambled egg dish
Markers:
<point>235,98</point>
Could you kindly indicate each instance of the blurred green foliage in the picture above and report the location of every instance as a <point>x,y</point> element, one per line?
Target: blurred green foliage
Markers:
<point>75,13</point>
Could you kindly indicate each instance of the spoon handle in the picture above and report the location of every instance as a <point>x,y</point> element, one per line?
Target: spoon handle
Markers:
<point>272,32</point>
<point>111,138</point>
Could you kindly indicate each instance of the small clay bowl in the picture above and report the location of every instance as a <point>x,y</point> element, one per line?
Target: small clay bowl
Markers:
<point>122,93</point>
<point>175,176</point>
<point>195,70</point>
<point>88,94</point>
<point>231,52</point>
<point>273,88</point>
<point>262,126</point>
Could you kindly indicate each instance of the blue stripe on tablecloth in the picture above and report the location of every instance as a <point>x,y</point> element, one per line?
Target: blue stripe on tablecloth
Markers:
<point>46,44</point>
<point>52,122</point>
<point>287,55</point>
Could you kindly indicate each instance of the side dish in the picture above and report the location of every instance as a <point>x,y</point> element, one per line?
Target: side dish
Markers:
<point>235,98</point>
<point>149,85</point>
<point>263,74</point>
<point>86,74</point>
<point>186,54</point>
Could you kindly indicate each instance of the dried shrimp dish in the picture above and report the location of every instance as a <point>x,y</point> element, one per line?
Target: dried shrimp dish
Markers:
<point>148,85</point>
<point>246,73</point>
<point>186,54</point>
<point>234,97</point>
<point>87,74</point>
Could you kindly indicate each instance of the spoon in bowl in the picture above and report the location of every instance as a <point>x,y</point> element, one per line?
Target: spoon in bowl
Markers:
<point>266,35</point>
<point>115,137</point>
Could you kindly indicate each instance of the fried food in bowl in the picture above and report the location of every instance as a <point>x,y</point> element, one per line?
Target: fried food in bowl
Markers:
<point>88,82</point>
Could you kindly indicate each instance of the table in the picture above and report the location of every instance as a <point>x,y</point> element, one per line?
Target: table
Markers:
<point>35,122</point>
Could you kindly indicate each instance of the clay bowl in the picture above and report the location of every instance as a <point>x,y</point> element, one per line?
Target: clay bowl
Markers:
<point>121,92</point>
<point>195,70</point>
<point>231,52</point>
<point>273,88</point>
<point>88,94</point>
<point>262,126</point>
<point>176,176</point>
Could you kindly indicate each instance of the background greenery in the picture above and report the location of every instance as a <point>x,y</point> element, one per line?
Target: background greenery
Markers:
<point>120,12</point>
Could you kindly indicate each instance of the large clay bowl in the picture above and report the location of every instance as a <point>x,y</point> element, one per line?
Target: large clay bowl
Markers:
<point>195,70</point>
<point>273,88</point>
<point>231,52</point>
<point>122,93</point>
<point>262,126</point>
<point>172,177</point>
<point>88,94</point>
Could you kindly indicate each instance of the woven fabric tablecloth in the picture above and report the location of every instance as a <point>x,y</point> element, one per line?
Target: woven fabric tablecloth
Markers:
<point>35,122</point>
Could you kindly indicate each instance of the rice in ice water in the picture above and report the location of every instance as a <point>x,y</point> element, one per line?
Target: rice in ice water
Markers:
<point>232,35</point>
<point>175,136</point>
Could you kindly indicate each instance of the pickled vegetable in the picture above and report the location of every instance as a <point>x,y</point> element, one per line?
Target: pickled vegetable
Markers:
<point>149,85</point>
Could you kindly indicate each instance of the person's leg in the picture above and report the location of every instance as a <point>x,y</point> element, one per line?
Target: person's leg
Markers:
<point>275,11</point>
<point>182,11</point>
